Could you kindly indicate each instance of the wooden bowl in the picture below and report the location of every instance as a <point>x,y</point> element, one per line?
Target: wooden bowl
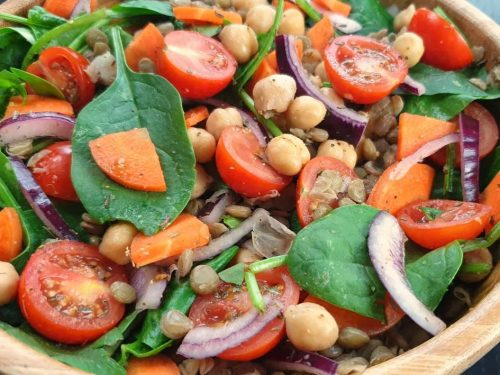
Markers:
<point>450,352</point>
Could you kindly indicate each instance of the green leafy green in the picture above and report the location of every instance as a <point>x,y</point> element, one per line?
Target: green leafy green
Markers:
<point>72,212</point>
<point>13,47</point>
<point>441,106</point>
<point>431,213</point>
<point>230,221</point>
<point>40,21</point>
<point>10,85</point>
<point>476,268</point>
<point>210,31</point>
<point>294,222</point>
<point>134,100</point>
<point>371,15</point>
<point>143,8</point>
<point>438,190</point>
<point>39,85</point>
<point>329,259</point>
<point>234,274</point>
<point>489,168</point>
<point>479,243</point>
<point>449,170</point>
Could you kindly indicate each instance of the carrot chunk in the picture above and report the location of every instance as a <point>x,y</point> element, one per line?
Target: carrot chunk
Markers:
<point>11,234</point>
<point>491,197</point>
<point>157,365</point>
<point>61,8</point>
<point>335,6</point>
<point>36,103</point>
<point>195,15</point>
<point>195,115</point>
<point>147,43</point>
<point>129,158</point>
<point>321,34</point>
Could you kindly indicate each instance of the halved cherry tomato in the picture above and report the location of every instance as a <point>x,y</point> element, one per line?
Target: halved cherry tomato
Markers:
<point>64,292</point>
<point>307,178</point>
<point>362,69</point>
<point>232,301</point>
<point>65,68</point>
<point>488,134</point>
<point>51,168</point>
<point>372,327</point>
<point>445,47</point>
<point>198,66</point>
<point>456,221</point>
<point>239,162</point>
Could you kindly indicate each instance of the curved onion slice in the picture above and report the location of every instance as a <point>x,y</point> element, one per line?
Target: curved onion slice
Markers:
<point>148,286</point>
<point>40,203</point>
<point>426,150</point>
<point>469,157</point>
<point>215,206</point>
<point>271,238</point>
<point>81,7</point>
<point>288,358</point>
<point>210,340</point>
<point>412,86</point>
<point>340,22</point>
<point>387,253</point>
<point>340,122</point>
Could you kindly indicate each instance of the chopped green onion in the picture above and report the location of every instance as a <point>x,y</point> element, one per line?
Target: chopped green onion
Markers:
<point>267,264</point>
<point>230,221</point>
<point>308,9</point>
<point>254,291</point>
<point>431,213</point>
<point>268,123</point>
<point>448,170</point>
<point>234,274</point>
<point>476,268</point>
<point>79,41</point>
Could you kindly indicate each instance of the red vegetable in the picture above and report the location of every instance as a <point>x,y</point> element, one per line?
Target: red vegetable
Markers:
<point>469,157</point>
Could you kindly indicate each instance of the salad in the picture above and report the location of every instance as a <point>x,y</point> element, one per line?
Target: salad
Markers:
<point>240,187</point>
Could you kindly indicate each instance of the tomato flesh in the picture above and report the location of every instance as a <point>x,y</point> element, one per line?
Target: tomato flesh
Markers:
<point>64,292</point>
<point>362,69</point>
<point>445,47</point>
<point>457,221</point>
<point>239,162</point>
<point>198,66</point>
<point>52,171</point>
<point>229,302</point>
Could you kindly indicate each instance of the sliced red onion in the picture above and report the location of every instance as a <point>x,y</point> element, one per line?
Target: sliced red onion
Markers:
<point>469,157</point>
<point>228,239</point>
<point>340,122</point>
<point>81,7</point>
<point>40,203</point>
<point>271,237</point>
<point>387,252</point>
<point>215,206</point>
<point>412,86</point>
<point>340,22</point>
<point>210,340</point>
<point>426,150</point>
<point>149,286</point>
<point>286,357</point>
<point>34,125</point>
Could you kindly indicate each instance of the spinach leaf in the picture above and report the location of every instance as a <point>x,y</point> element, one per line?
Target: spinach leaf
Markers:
<point>441,106</point>
<point>371,15</point>
<point>329,259</point>
<point>134,100</point>
<point>143,8</point>
<point>10,85</point>
<point>479,243</point>
<point>11,314</point>
<point>24,32</point>
<point>210,31</point>
<point>489,167</point>
<point>40,21</point>
<point>39,85</point>
<point>72,212</point>
<point>13,47</point>
<point>431,213</point>
<point>438,191</point>
<point>234,274</point>
<point>430,275</point>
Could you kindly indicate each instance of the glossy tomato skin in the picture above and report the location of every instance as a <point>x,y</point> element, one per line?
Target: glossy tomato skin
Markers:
<point>458,221</point>
<point>241,168</point>
<point>65,68</point>
<point>362,69</point>
<point>445,47</point>
<point>64,292</point>
<point>198,66</point>
<point>308,177</point>
<point>216,309</point>
<point>52,171</point>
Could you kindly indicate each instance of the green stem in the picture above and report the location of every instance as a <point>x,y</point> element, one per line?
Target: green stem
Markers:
<point>254,291</point>
<point>448,170</point>
<point>267,264</point>
<point>476,268</point>
<point>309,10</point>
<point>268,123</point>
<point>479,243</point>
<point>13,18</point>
<point>79,42</point>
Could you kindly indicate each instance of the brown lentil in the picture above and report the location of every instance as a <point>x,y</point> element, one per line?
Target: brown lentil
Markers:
<point>332,352</point>
<point>203,279</point>
<point>185,262</point>
<point>397,104</point>
<point>95,35</point>
<point>95,240</point>
<point>352,366</point>
<point>310,59</point>
<point>477,256</point>
<point>356,191</point>
<point>189,367</point>
<point>369,151</point>
<point>174,324</point>
<point>353,338</point>
<point>239,211</point>
<point>366,351</point>
<point>477,53</point>
<point>346,202</point>
<point>317,135</point>
<point>194,206</point>
<point>374,167</point>
<point>165,27</point>
<point>389,156</point>
<point>384,124</point>
<point>123,292</point>
<point>360,172</point>
<point>381,354</point>
<point>246,256</point>
<point>392,136</point>
<point>206,365</point>
<point>92,228</point>
<point>217,229</point>
<point>382,145</point>
<point>224,4</point>
<point>21,149</point>
<point>100,48</point>
<point>146,65</point>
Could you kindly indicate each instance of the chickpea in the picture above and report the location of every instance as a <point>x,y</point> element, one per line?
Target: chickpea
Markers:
<point>243,6</point>
<point>292,23</point>
<point>287,154</point>
<point>310,327</point>
<point>260,18</point>
<point>321,72</point>
<point>9,280</point>
<point>203,144</point>
<point>340,150</point>
<point>203,180</point>
<point>240,40</point>
<point>116,241</point>
<point>274,94</point>
<point>221,118</point>
<point>410,46</point>
<point>305,112</point>
<point>404,17</point>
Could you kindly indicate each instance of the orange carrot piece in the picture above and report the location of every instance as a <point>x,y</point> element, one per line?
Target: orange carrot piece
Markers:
<point>186,232</point>
<point>36,103</point>
<point>129,158</point>
<point>195,115</point>
<point>197,15</point>
<point>157,365</point>
<point>491,197</point>
<point>415,131</point>
<point>335,6</point>
<point>61,8</point>
<point>11,234</point>
<point>321,34</point>
<point>392,195</point>
<point>147,43</point>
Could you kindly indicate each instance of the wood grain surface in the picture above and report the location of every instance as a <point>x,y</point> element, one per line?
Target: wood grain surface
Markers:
<point>449,353</point>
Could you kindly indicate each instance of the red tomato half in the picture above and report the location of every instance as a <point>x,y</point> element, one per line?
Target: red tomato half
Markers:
<point>65,68</point>
<point>232,301</point>
<point>457,221</point>
<point>307,178</point>
<point>362,69</point>
<point>64,292</point>
<point>198,66</point>
<point>241,167</point>
<point>445,47</point>
<point>52,171</point>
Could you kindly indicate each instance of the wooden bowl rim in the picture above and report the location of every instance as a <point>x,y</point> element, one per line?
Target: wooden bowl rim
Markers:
<point>448,353</point>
